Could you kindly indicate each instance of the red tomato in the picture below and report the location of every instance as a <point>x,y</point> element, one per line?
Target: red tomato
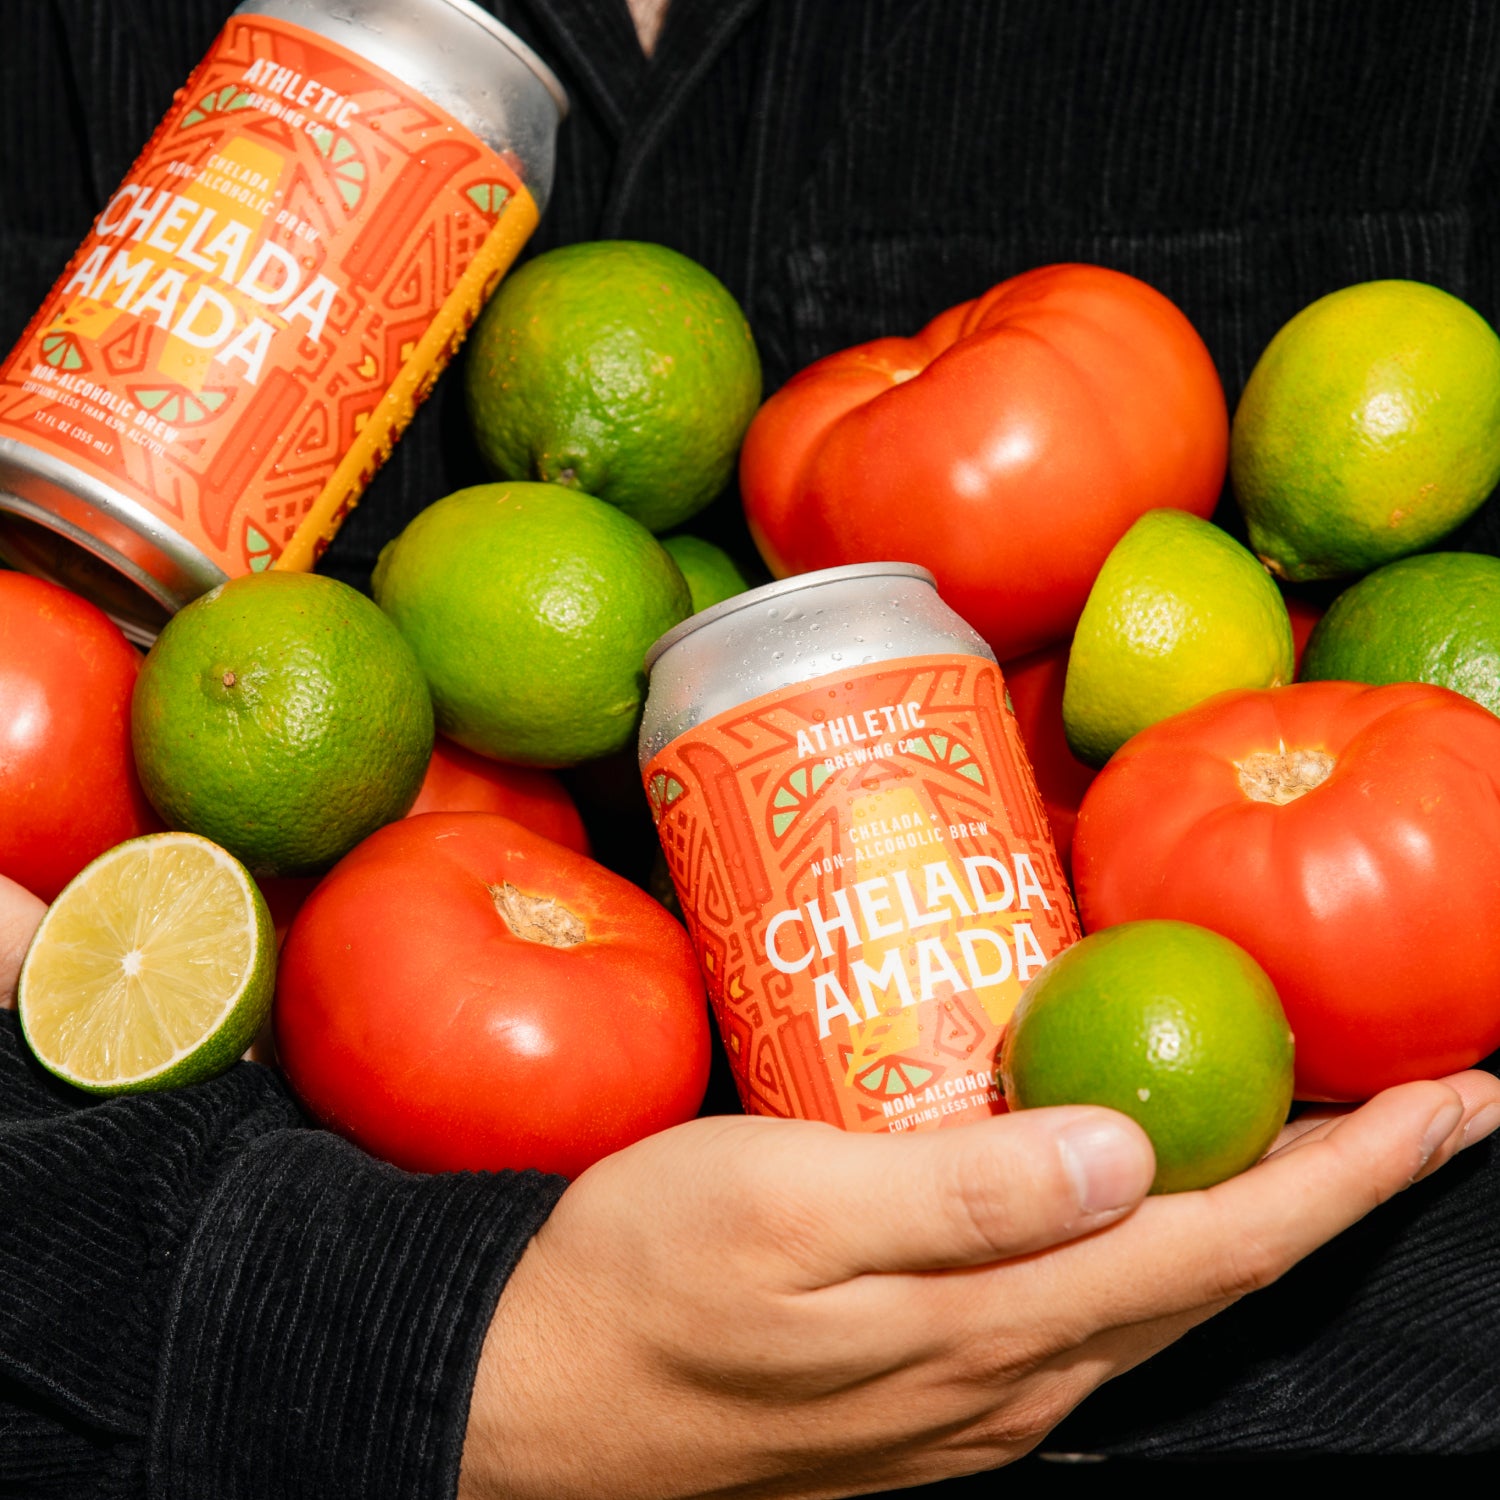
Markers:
<point>68,789</point>
<point>284,896</point>
<point>1007,447</point>
<point>458,780</point>
<point>1035,684</point>
<point>1368,887</point>
<point>459,992</point>
<point>1303,615</point>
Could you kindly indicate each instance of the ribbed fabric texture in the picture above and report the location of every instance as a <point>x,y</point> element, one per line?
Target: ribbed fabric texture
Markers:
<point>202,1295</point>
<point>1386,1341</point>
<point>851,169</point>
<point>198,1283</point>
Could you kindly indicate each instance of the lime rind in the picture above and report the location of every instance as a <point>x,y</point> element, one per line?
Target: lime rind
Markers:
<point>1179,611</point>
<point>1169,1023</point>
<point>618,367</point>
<point>530,608</point>
<point>282,716</point>
<point>1431,618</point>
<point>712,574</point>
<point>1368,429</point>
<point>153,968</point>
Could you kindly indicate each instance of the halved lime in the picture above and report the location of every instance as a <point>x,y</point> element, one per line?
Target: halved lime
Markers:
<point>1179,611</point>
<point>154,967</point>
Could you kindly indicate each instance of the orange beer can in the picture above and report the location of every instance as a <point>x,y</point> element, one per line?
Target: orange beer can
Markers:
<point>857,843</point>
<point>262,303</point>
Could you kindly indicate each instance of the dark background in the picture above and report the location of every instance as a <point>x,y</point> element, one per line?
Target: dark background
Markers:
<point>851,167</point>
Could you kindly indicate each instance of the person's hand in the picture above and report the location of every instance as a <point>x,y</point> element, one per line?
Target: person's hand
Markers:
<point>765,1308</point>
<point>20,912</point>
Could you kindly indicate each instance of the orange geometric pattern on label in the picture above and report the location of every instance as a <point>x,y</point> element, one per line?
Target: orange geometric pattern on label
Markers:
<point>264,300</point>
<point>867,874</point>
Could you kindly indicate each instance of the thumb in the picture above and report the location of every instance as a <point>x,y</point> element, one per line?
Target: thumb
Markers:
<point>20,913</point>
<point>998,1188</point>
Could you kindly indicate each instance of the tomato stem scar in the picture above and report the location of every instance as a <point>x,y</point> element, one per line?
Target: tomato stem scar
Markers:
<point>538,919</point>
<point>1281,776</point>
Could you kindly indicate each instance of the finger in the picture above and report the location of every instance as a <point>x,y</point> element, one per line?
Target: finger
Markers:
<point>20,912</point>
<point>1115,1298</point>
<point>1117,1349</point>
<point>949,1198</point>
<point>1311,1123</point>
<point>1479,1091</point>
<point>1183,1252</point>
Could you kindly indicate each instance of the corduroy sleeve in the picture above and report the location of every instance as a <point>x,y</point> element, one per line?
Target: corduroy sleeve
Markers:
<point>201,1294</point>
<point>1385,1341</point>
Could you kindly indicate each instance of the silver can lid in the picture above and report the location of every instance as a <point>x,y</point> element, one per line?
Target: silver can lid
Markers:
<point>752,597</point>
<point>503,33</point>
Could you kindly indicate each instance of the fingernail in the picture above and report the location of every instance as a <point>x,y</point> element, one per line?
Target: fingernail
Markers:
<point>1439,1128</point>
<point>1104,1159</point>
<point>1485,1121</point>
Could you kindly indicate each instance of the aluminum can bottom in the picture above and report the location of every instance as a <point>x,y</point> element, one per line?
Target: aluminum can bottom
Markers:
<point>65,526</point>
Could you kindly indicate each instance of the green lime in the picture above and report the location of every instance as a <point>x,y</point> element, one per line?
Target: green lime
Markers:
<point>1169,1023</point>
<point>1433,618</point>
<point>154,967</point>
<point>530,608</point>
<point>1369,428</point>
<point>712,574</point>
<point>621,369</point>
<point>282,716</point>
<point>1178,612</point>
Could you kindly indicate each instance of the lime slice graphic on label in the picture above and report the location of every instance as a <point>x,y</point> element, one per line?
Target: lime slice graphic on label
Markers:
<point>893,1076</point>
<point>489,197</point>
<point>663,791</point>
<point>791,796</point>
<point>946,751</point>
<point>177,404</point>
<point>219,102</point>
<point>345,167</point>
<point>258,549</point>
<point>61,351</point>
